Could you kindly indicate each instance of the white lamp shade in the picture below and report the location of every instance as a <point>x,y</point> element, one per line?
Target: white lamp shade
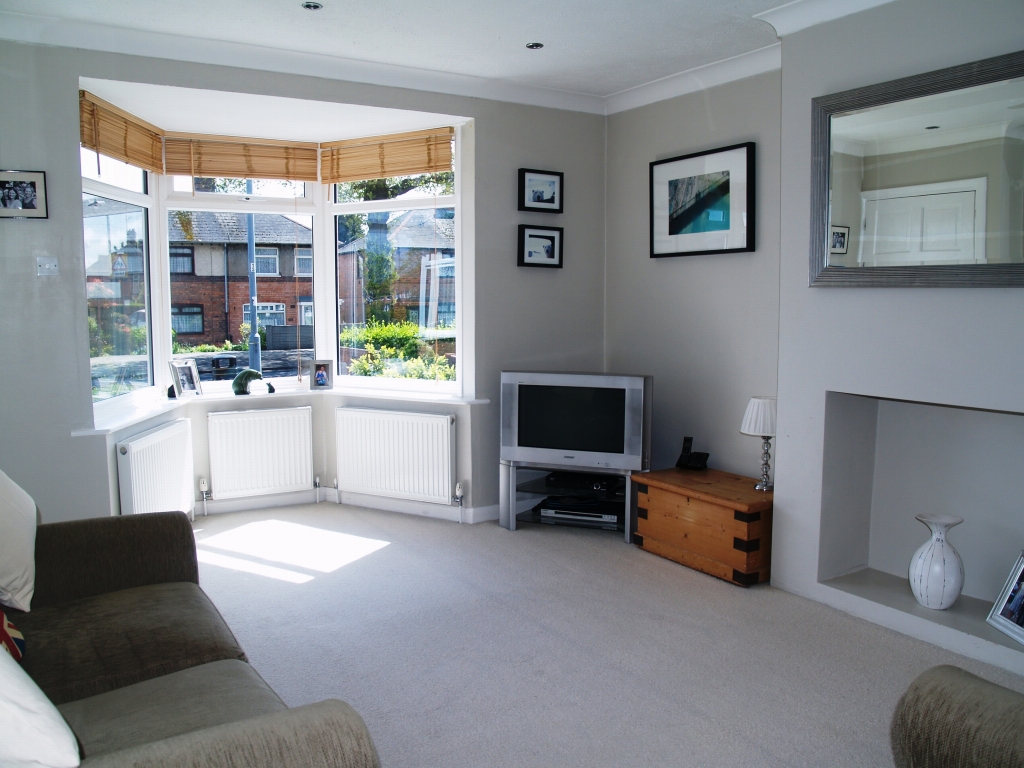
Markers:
<point>760,417</point>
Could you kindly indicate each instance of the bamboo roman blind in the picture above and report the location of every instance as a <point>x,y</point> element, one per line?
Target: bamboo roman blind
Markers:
<point>115,133</point>
<point>238,158</point>
<point>111,131</point>
<point>375,157</point>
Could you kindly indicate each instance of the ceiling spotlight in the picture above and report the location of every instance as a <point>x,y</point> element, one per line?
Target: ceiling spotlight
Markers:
<point>534,46</point>
<point>309,5</point>
<point>931,128</point>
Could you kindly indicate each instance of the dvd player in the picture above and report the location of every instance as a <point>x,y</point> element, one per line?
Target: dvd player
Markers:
<point>565,514</point>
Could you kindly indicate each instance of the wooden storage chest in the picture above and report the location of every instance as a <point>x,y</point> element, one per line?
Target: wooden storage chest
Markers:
<point>706,519</point>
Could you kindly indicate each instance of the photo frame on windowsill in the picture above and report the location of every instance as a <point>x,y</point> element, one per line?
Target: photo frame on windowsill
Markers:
<point>185,376</point>
<point>23,195</point>
<point>321,374</point>
<point>1007,614</point>
<point>703,203</point>
<point>540,191</point>
<point>540,247</point>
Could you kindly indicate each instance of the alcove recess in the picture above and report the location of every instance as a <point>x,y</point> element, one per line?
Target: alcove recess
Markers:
<point>886,461</point>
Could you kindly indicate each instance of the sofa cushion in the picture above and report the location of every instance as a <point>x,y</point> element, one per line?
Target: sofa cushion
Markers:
<point>11,640</point>
<point>85,647</point>
<point>32,732</point>
<point>18,516</point>
<point>199,697</point>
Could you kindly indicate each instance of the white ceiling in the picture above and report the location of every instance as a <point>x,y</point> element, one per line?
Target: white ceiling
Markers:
<point>970,114</point>
<point>599,55</point>
<point>192,110</point>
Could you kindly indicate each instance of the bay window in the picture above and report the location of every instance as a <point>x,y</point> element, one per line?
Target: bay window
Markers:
<point>240,260</point>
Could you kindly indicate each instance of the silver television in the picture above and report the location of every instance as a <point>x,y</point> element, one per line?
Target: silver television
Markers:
<point>587,420</point>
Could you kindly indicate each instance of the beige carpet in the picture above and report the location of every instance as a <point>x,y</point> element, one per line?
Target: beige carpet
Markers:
<point>473,646</point>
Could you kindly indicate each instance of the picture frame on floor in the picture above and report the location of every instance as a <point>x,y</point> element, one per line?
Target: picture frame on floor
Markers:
<point>540,191</point>
<point>540,247</point>
<point>703,203</point>
<point>1007,614</point>
<point>185,376</point>
<point>23,195</point>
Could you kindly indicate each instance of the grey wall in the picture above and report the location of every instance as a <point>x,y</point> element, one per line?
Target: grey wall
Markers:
<point>525,318</point>
<point>948,461</point>
<point>706,327</point>
<point>956,346</point>
<point>847,483</point>
<point>977,159</point>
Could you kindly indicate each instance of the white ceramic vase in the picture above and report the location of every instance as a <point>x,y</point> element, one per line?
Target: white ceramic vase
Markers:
<point>936,570</point>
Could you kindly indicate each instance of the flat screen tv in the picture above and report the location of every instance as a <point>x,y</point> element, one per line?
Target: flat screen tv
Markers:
<point>591,420</point>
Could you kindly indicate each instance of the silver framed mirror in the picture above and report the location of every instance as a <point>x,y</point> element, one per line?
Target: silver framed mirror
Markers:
<point>920,181</point>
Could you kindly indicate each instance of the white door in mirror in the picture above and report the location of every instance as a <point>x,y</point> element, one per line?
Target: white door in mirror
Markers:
<point>924,224</point>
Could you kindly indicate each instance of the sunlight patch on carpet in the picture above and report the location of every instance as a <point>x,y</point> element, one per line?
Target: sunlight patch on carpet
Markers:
<point>247,566</point>
<point>315,549</point>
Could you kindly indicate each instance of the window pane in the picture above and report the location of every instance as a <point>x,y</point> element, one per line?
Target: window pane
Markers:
<point>210,303</point>
<point>112,172</point>
<point>260,187</point>
<point>116,254</point>
<point>405,187</point>
<point>396,294</point>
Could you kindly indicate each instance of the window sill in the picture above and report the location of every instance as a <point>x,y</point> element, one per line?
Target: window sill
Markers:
<point>123,412</point>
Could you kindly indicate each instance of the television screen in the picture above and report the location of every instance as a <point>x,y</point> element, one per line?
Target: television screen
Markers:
<point>572,418</point>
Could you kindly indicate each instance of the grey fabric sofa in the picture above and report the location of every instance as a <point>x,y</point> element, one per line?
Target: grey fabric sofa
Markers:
<point>949,718</point>
<point>144,668</point>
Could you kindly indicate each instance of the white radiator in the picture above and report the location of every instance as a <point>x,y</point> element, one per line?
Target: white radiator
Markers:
<point>258,452</point>
<point>397,454</point>
<point>154,470</point>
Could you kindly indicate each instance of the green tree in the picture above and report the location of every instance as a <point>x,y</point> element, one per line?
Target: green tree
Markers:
<point>390,188</point>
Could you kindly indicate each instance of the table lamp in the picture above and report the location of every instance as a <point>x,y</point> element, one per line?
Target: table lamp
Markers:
<point>759,420</point>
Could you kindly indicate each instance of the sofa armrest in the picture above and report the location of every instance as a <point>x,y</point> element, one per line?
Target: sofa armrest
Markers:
<point>329,734</point>
<point>90,557</point>
<point>949,717</point>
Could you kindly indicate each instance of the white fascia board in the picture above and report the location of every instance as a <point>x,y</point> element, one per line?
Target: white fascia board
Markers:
<point>41,30</point>
<point>801,14</point>
<point>698,79</point>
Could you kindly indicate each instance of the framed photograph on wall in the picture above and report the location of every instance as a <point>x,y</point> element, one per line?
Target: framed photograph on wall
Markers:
<point>185,376</point>
<point>540,246</point>
<point>540,191</point>
<point>1007,614</point>
<point>22,195</point>
<point>321,374</point>
<point>839,239</point>
<point>703,202</point>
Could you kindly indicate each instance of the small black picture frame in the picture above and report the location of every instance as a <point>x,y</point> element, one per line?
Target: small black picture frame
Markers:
<point>541,191</point>
<point>540,246</point>
<point>839,242</point>
<point>704,202</point>
<point>23,195</point>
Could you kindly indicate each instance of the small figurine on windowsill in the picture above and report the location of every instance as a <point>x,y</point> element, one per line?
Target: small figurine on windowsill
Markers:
<point>240,386</point>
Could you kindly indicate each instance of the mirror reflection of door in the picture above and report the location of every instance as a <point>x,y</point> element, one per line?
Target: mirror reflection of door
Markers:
<point>925,224</point>
<point>933,180</point>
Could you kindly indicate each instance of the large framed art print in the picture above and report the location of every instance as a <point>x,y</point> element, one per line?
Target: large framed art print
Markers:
<point>703,203</point>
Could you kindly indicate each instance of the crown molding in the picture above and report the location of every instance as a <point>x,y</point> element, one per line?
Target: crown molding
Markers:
<point>41,30</point>
<point>801,14</point>
<point>697,79</point>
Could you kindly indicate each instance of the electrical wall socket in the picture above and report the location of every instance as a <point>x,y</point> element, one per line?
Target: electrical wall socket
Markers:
<point>46,266</point>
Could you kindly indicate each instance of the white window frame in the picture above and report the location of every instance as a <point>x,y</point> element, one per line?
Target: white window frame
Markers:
<point>266,255</point>
<point>156,235</point>
<point>266,306</point>
<point>317,202</point>
<point>462,201</point>
<point>296,256</point>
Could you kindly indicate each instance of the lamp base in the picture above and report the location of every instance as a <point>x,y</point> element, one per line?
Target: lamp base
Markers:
<point>764,487</point>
